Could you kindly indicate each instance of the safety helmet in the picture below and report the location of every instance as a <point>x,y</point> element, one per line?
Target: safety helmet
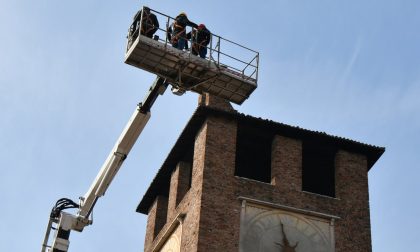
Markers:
<point>201,26</point>
<point>182,14</point>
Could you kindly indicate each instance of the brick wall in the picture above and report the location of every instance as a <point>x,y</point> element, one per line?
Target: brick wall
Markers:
<point>156,220</point>
<point>190,204</point>
<point>353,230</point>
<point>220,211</point>
<point>180,183</point>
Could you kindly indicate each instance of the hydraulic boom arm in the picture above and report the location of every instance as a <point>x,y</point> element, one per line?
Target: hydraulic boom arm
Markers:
<point>65,222</point>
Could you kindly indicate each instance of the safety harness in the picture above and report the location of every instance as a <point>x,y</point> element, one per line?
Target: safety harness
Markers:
<point>175,34</point>
<point>148,23</point>
<point>196,46</point>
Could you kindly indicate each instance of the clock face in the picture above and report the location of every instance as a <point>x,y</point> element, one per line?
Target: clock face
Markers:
<point>275,230</point>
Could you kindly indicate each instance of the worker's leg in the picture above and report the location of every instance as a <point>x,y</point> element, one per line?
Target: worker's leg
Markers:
<point>181,43</point>
<point>194,50</point>
<point>203,52</point>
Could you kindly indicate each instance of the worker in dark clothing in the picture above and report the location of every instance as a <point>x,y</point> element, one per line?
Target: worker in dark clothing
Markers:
<point>200,38</point>
<point>177,31</point>
<point>149,24</point>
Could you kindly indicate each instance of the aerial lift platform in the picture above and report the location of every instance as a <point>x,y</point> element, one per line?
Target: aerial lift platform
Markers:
<point>219,74</point>
<point>229,71</point>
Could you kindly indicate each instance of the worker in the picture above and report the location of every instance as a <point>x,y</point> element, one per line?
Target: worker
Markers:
<point>200,38</point>
<point>149,24</point>
<point>177,31</point>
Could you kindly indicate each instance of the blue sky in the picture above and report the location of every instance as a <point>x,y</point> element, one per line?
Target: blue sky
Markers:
<point>348,68</point>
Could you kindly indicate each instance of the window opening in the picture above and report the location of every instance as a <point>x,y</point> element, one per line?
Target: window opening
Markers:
<point>253,153</point>
<point>318,167</point>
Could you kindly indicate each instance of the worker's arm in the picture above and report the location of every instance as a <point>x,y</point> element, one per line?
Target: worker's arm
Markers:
<point>155,23</point>
<point>192,24</point>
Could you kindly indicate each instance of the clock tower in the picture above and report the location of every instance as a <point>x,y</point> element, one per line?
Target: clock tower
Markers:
<point>234,182</point>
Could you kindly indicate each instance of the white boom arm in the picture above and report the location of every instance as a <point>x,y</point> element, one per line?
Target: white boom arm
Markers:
<point>66,222</point>
<point>112,164</point>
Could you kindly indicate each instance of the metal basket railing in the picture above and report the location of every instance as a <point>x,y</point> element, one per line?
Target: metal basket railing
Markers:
<point>225,54</point>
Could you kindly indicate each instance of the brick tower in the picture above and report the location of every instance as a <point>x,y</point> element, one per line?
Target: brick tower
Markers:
<point>233,182</point>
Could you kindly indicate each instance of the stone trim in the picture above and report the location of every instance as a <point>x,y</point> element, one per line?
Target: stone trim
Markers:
<point>287,208</point>
<point>178,220</point>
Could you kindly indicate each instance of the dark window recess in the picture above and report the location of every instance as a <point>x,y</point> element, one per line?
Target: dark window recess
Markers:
<point>253,153</point>
<point>188,158</point>
<point>161,213</point>
<point>318,167</point>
